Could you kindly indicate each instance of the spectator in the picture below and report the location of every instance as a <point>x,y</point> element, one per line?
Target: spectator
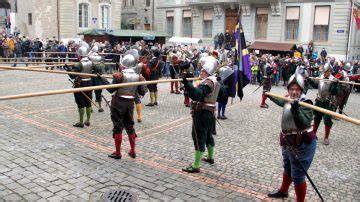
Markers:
<point>18,51</point>
<point>216,41</point>
<point>323,55</point>
<point>300,49</point>
<point>37,48</point>
<point>62,49</point>
<point>221,40</point>
<point>6,47</point>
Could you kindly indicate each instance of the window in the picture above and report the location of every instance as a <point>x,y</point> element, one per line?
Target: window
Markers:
<point>148,3</point>
<point>207,23</point>
<point>187,24</point>
<point>261,23</point>
<point>292,23</point>
<point>83,15</point>
<point>147,26</point>
<point>170,22</point>
<point>30,18</point>
<point>124,3</point>
<point>321,23</point>
<point>132,3</point>
<point>105,17</point>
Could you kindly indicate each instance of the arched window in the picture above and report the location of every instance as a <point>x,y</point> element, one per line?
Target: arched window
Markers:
<point>105,16</point>
<point>83,15</point>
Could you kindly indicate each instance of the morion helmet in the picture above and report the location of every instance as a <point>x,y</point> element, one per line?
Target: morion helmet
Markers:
<point>128,61</point>
<point>296,79</point>
<point>347,66</point>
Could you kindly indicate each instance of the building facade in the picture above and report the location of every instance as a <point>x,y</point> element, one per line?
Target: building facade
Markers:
<point>65,18</point>
<point>328,23</point>
<point>137,14</point>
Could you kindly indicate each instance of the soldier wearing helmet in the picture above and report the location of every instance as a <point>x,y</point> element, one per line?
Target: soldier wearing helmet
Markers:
<point>122,104</point>
<point>344,89</point>
<point>187,70</point>
<point>82,99</point>
<point>296,134</point>
<point>267,71</point>
<point>326,92</point>
<point>98,68</point>
<point>174,71</point>
<point>202,109</point>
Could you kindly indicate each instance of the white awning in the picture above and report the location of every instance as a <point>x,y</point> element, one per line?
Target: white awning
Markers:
<point>187,14</point>
<point>169,13</point>
<point>184,40</point>
<point>292,13</point>
<point>322,15</point>
<point>261,11</point>
<point>208,14</point>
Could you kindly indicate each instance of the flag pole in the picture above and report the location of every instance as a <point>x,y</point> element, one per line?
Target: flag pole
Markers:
<point>240,55</point>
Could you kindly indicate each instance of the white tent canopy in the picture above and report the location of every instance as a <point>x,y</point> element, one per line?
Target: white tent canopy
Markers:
<point>184,40</point>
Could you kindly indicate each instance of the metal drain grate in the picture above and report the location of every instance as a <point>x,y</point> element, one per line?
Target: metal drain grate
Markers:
<point>119,195</point>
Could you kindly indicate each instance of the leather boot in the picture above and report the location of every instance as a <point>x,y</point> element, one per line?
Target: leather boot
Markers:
<point>300,192</point>
<point>177,87</point>
<point>316,127</point>
<point>132,152</point>
<point>117,153</point>
<point>139,112</point>
<point>327,134</point>
<point>284,189</point>
<point>172,87</point>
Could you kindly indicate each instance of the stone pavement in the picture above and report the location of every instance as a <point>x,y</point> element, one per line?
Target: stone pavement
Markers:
<point>44,158</point>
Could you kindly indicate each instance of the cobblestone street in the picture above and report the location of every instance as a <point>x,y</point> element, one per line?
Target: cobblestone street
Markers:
<point>43,157</point>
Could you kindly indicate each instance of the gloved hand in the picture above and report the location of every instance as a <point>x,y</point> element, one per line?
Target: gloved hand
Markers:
<point>67,68</point>
<point>295,105</point>
<point>184,80</point>
<point>99,75</point>
<point>335,80</point>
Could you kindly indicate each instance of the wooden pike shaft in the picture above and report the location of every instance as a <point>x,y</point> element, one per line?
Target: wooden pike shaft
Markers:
<point>37,66</point>
<point>344,82</point>
<point>75,53</point>
<point>319,109</point>
<point>50,71</point>
<point>38,58</point>
<point>353,75</point>
<point>68,63</point>
<point>76,90</point>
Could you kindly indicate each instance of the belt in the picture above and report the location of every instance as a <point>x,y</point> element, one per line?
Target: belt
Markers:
<point>126,96</point>
<point>297,132</point>
<point>88,79</point>
<point>209,105</point>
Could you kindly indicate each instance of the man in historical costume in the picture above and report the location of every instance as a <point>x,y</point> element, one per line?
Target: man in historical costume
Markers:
<point>99,67</point>
<point>187,70</point>
<point>226,75</point>
<point>326,91</point>
<point>267,71</point>
<point>140,69</point>
<point>83,99</point>
<point>155,65</point>
<point>174,71</point>
<point>297,140</point>
<point>202,109</point>
<point>122,105</point>
<point>344,89</point>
